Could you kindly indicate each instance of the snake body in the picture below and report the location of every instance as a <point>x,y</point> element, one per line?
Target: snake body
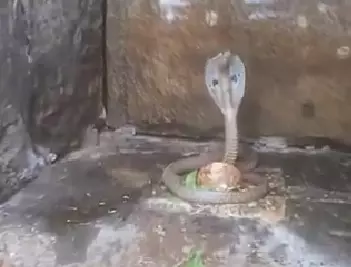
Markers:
<point>172,177</point>
<point>231,141</point>
<point>225,80</point>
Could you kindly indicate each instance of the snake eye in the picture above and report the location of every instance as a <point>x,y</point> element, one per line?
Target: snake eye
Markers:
<point>234,78</point>
<point>214,82</point>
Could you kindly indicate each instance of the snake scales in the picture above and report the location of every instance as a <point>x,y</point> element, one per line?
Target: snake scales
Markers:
<point>225,80</point>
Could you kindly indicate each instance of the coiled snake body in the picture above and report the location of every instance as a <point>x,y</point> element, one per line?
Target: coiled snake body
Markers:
<point>225,80</point>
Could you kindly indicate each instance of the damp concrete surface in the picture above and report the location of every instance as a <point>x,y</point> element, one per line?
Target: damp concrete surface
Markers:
<point>105,206</point>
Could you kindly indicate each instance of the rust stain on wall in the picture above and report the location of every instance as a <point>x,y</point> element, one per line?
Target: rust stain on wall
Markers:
<point>295,52</point>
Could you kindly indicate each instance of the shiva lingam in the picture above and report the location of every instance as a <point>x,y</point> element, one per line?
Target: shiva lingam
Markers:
<point>217,176</point>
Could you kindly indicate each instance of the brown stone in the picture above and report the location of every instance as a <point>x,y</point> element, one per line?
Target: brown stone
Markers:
<point>297,60</point>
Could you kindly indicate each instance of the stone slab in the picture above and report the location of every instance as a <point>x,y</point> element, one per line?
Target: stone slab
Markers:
<point>98,208</point>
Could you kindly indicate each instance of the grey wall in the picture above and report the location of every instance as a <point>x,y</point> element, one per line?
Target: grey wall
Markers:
<point>50,81</point>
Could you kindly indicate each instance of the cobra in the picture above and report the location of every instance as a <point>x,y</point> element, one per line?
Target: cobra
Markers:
<point>225,78</point>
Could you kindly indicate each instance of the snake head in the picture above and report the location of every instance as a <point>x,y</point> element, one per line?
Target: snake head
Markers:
<point>225,77</point>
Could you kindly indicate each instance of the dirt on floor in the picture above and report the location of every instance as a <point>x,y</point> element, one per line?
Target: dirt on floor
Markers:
<point>105,206</point>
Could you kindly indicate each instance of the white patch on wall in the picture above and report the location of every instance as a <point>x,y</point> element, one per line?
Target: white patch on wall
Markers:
<point>211,18</point>
<point>264,9</point>
<point>263,14</point>
<point>301,21</point>
<point>182,3</point>
<point>343,52</point>
<point>322,8</point>
<point>328,12</point>
<point>171,9</point>
<point>259,2</point>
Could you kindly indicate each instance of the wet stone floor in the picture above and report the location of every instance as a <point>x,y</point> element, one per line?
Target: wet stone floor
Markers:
<point>105,206</point>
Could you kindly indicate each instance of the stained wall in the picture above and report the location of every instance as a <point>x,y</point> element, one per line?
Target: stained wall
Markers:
<point>297,55</point>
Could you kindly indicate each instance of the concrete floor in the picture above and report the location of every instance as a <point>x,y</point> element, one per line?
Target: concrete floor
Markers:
<point>104,206</point>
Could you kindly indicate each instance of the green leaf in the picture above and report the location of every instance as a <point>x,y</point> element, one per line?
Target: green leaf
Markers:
<point>195,260</point>
<point>190,180</point>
